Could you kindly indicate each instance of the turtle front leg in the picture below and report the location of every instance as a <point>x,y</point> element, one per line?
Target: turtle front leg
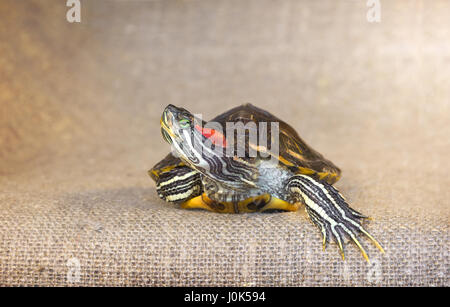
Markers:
<point>179,184</point>
<point>329,211</point>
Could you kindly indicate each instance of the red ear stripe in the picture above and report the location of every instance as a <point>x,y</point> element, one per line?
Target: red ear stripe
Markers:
<point>214,136</point>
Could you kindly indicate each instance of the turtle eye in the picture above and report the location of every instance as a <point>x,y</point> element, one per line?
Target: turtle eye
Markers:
<point>185,123</point>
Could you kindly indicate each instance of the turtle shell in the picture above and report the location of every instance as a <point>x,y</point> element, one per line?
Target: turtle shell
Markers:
<point>294,153</point>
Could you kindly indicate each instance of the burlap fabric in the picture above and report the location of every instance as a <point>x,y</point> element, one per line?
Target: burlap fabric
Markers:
<point>80,108</point>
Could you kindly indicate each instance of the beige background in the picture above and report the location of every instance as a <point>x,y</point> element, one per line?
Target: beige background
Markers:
<point>79,127</point>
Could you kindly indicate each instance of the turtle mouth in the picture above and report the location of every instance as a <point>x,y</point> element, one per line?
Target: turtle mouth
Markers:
<point>165,123</point>
<point>166,136</point>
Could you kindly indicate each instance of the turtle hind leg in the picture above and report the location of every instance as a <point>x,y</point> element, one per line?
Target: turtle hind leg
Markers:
<point>329,211</point>
<point>179,184</point>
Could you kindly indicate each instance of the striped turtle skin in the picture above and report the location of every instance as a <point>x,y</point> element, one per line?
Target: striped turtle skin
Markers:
<point>228,171</point>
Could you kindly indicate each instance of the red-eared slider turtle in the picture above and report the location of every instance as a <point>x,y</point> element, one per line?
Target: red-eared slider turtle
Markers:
<point>215,170</point>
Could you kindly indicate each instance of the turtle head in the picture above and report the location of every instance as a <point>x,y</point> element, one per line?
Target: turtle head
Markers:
<point>203,146</point>
<point>185,133</point>
<point>175,122</point>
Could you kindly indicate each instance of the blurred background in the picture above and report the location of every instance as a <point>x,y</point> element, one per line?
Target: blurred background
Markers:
<point>80,105</point>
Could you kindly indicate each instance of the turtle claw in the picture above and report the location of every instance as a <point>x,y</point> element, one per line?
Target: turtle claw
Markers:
<point>375,242</point>
<point>329,211</point>
<point>339,231</point>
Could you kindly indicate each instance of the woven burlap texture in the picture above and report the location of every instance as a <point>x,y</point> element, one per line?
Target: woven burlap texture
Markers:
<point>80,128</point>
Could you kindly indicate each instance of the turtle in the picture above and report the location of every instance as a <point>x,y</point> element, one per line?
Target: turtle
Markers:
<point>217,170</point>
